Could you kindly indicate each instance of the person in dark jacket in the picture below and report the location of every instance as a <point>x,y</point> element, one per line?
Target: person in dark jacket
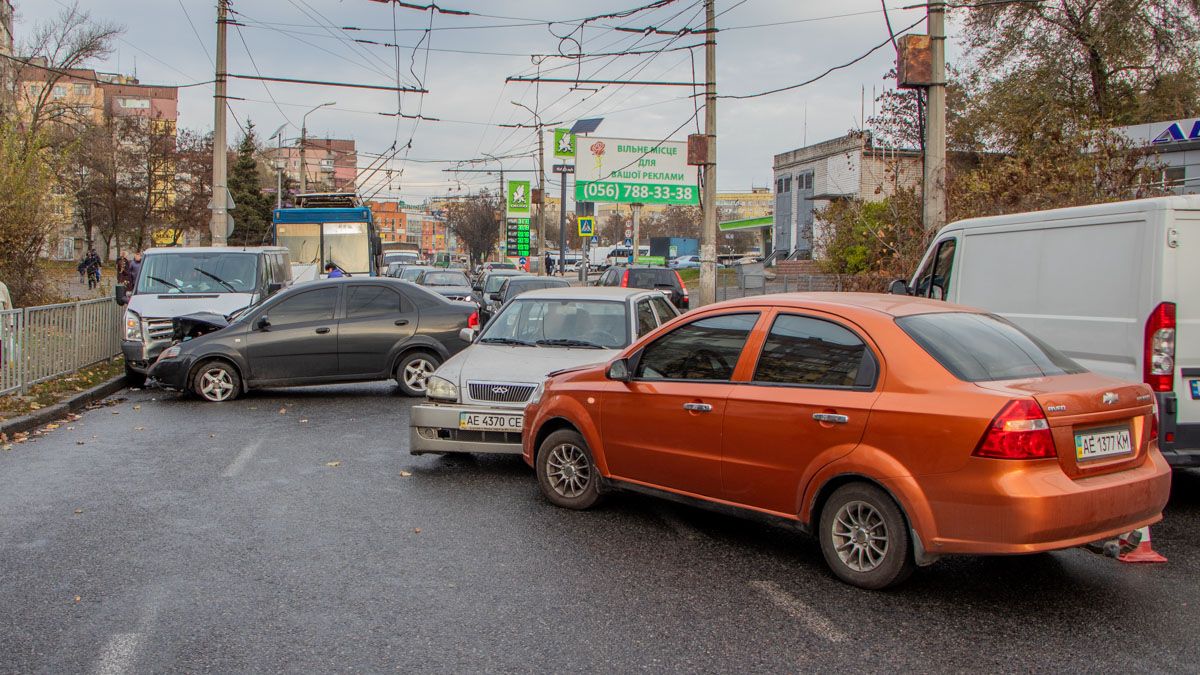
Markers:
<point>135,268</point>
<point>333,272</point>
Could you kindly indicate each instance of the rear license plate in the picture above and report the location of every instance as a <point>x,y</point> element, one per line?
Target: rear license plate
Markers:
<point>1099,443</point>
<point>490,422</point>
<point>1195,387</point>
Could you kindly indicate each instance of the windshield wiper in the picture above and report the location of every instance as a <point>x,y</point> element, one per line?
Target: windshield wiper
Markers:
<point>164,282</point>
<point>218,279</point>
<point>569,342</point>
<point>507,341</point>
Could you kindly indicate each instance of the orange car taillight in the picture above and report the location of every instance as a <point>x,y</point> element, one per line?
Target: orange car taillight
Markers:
<point>1019,431</point>
<point>1158,360</point>
<point>625,279</point>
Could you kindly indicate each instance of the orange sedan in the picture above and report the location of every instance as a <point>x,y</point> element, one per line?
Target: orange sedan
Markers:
<point>897,429</point>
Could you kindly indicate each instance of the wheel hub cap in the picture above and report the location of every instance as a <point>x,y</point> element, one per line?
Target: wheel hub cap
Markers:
<point>568,470</point>
<point>860,536</point>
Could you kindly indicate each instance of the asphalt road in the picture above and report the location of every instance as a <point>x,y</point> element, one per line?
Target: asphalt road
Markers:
<point>164,534</point>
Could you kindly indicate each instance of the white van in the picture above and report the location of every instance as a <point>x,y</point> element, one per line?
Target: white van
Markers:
<point>1114,286</point>
<point>174,282</point>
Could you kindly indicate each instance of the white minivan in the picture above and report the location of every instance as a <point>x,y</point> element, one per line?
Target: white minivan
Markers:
<point>1114,286</point>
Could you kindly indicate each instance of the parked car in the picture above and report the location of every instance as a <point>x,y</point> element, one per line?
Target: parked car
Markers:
<point>1129,312</point>
<point>475,398</point>
<point>414,272</point>
<point>180,280</point>
<point>658,278</point>
<point>395,269</point>
<point>451,283</point>
<point>685,262</point>
<point>335,330</point>
<point>489,282</point>
<point>897,430</point>
<point>510,288</point>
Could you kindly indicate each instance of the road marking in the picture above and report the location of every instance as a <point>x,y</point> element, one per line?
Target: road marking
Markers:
<point>235,467</point>
<point>794,607</point>
<point>118,653</point>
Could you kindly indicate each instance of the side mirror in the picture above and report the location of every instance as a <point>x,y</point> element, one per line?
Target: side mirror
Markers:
<point>619,370</point>
<point>122,294</point>
<point>494,296</point>
<point>274,288</point>
<point>899,287</point>
<point>467,335</point>
<point>263,323</point>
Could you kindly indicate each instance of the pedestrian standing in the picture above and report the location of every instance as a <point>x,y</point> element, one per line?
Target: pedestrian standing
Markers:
<point>122,267</point>
<point>135,269</point>
<point>549,263</point>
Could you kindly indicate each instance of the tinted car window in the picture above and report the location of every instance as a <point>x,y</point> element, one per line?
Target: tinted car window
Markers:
<point>647,278</point>
<point>411,273</point>
<point>423,297</point>
<point>444,279</point>
<point>806,351</point>
<point>983,347</point>
<point>702,350</point>
<point>610,278</point>
<point>314,305</point>
<point>645,317</point>
<point>364,301</point>
<point>666,311</point>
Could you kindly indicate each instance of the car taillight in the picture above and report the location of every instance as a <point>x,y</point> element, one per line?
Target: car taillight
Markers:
<point>625,279</point>
<point>1158,360</point>
<point>1019,431</point>
<point>473,320</point>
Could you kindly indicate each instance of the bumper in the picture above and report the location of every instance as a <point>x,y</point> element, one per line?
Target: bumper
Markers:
<point>140,356</point>
<point>172,373</point>
<point>1035,507</point>
<point>434,428</point>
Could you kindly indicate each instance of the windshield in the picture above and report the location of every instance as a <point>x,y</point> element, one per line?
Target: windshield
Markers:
<point>560,323</point>
<point>445,279</point>
<point>199,272</point>
<point>347,246</point>
<point>405,257</point>
<point>411,273</point>
<point>495,281</point>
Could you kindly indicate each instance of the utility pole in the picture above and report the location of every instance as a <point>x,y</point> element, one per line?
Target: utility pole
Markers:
<point>562,225</point>
<point>708,234</point>
<point>503,239</point>
<point>218,225</point>
<point>541,207</point>
<point>934,207</point>
<point>637,231</point>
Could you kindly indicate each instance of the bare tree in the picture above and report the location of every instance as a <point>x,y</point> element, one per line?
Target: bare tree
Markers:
<point>474,220</point>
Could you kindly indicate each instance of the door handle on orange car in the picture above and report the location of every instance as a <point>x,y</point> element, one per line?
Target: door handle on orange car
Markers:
<point>831,418</point>
<point>697,407</point>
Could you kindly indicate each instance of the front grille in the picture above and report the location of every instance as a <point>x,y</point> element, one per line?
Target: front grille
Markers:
<point>500,392</point>
<point>158,329</point>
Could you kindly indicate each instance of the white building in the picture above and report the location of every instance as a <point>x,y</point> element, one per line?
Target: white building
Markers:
<point>1176,145</point>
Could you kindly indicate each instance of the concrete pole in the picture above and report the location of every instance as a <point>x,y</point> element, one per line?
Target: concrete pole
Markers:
<point>562,224</point>
<point>934,208</point>
<point>303,166</point>
<point>541,213</point>
<point>708,233</point>
<point>219,221</point>
<point>637,230</point>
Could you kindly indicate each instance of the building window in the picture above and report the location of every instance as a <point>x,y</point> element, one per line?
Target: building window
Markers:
<point>60,91</point>
<point>35,89</point>
<point>804,181</point>
<point>1174,176</point>
<point>134,103</point>
<point>82,89</point>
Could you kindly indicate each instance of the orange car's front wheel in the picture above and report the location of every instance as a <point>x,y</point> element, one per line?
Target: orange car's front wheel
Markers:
<point>864,537</point>
<point>565,470</point>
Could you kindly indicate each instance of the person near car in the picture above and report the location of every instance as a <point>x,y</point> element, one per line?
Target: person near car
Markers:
<point>92,267</point>
<point>549,263</point>
<point>135,269</point>
<point>333,272</point>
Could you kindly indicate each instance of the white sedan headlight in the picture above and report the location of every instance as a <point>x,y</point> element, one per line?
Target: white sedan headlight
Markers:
<point>133,326</point>
<point>536,396</point>
<point>441,389</point>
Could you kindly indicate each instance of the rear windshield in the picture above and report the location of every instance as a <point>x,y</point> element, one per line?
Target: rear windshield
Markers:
<point>639,278</point>
<point>445,279</point>
<point>983,347</point>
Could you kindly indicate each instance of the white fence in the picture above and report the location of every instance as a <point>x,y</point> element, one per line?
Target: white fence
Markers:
<point>38,343</point>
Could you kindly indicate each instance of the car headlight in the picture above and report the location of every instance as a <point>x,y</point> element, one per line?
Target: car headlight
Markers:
<point>441,389</point>
<point>133,326</point>
<point>169,353</point>
<point>536,396</point>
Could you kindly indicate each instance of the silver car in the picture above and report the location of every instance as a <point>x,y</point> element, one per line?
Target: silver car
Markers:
<point>477,398</point>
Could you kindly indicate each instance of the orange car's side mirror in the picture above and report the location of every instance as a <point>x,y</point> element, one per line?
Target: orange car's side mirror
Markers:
<point>619,370</point>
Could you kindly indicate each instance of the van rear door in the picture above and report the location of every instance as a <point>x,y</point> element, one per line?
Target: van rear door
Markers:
<point>1187,327</point>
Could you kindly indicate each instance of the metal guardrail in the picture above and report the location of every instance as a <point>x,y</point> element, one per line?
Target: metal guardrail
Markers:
<point>748,285</point>
<point>38,343</point>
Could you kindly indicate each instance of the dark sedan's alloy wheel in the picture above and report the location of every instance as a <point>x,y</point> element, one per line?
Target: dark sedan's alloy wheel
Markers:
<point>566,473</point>
<point>864,537</point>
<point>216,381</point>
<point>413,371</point>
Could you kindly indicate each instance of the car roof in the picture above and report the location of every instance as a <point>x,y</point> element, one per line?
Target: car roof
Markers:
<point>214,249</point>
<point>882,303</point>
<point>506,273</point>
<point>586,293</point>
<point>530,278</point>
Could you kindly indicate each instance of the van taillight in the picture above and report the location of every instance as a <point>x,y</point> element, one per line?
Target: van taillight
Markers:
<point>1158,360</point>
<point>625,279</point>
<point>1019,431</point>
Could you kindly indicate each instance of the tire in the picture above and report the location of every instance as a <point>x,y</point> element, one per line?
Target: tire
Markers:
<point>864,537</point>
<point>566,472</point>
<point>216,381</point>
<point>412,371</point>
<point>133,378</point>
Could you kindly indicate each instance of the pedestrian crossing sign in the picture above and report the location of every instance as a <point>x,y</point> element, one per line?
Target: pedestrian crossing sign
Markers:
<point>587,226</point>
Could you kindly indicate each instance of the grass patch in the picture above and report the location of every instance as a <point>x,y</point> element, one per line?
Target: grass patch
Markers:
<point>52,391</point>
<point>691,276</point>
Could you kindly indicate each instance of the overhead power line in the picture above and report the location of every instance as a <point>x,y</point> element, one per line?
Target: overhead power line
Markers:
<point>351,85</point>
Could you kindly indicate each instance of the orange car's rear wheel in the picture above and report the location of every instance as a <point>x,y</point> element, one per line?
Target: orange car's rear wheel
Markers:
<point>565,471</point>
<point>864,537</point>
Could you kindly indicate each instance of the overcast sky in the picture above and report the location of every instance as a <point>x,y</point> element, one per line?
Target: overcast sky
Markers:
<point>764,44</point>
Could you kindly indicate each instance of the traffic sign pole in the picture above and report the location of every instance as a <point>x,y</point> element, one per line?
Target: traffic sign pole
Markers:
<point>637,223</point>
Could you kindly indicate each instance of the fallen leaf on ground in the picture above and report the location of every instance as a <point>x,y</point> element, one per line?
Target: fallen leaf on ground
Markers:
<point>51,426</point>
<point>333,464</point>
<point>137,407</point>
<point>6,447</point>
<point>77,598</point>
<point>78,442</point>
<point>417,530</point>
<point>116,412</point>
<point>405,474</point>
<point>303,421</point>
<point>212,435</point>
<point>35,406</point>
<point>139,428</point>
<point>78,511</point>
<point>70,428</point>
<point>283,411</point>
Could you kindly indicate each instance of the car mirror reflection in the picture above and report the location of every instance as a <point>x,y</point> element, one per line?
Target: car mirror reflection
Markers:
<point>618,370</point>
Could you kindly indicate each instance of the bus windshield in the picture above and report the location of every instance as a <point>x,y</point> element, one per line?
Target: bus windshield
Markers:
<point>198,272</point>
<point>346,245</point>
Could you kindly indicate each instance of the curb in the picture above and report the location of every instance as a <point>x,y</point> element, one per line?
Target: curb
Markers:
<point>61,409</point>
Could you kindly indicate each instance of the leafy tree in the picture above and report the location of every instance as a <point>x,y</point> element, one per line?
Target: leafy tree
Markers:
<point>474,220</point>
<point>882,238</point>
<point>188,210</point>
<point>25,178</point>
<point>252,217</point>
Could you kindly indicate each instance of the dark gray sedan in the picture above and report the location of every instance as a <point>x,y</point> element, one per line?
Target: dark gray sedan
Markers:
<point>452,284</point>
<point>335,330</point>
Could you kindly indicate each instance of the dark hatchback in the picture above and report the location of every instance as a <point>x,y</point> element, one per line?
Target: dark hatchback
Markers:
<point>321,332</point>
<point>656,278</point>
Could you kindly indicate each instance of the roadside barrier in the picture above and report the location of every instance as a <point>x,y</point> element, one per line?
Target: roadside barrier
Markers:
<point>39,343</point>
<point>1135,548</point>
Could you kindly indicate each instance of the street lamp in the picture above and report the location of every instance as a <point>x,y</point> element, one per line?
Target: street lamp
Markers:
<point>304,142</point>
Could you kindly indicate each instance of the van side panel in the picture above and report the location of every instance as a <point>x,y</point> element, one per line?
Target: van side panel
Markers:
<point>1077,285</point>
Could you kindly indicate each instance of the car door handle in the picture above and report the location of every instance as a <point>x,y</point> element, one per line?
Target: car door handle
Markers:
<point>401,322</point>
<point>831,418</point>
<point>697,407</point>
<point>322,330</point>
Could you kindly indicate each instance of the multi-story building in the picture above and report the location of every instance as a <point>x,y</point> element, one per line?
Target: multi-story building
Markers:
<point>331,164</point>
<point>423,226</point>
<point>1174,144</point>
<point>851,167</point>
